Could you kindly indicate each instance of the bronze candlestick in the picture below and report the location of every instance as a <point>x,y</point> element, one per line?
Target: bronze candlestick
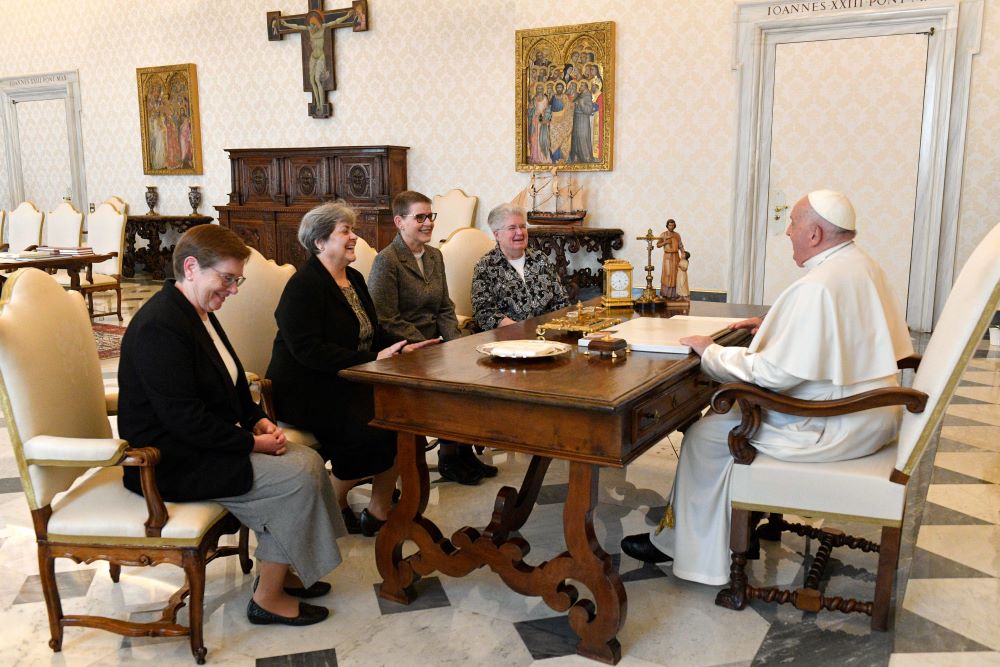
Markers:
<point>649,298</point>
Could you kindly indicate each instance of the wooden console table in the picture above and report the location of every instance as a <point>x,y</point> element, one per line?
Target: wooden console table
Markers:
<point>155,257</point>
<point>590,411</point>
<point>562,241</point>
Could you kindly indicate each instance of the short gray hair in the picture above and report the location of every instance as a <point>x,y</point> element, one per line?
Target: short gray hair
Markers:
<point>319,223</point>
<point>498,216</point>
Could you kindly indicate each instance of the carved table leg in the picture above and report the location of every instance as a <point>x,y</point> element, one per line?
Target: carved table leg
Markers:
<point>512,508</point>
<point>128,261</point>
<point>597,622</point>
<point>155,255</point>
<point>398,576</point>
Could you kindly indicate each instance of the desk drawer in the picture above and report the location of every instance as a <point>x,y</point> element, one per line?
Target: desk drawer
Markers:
<point>671,407</point>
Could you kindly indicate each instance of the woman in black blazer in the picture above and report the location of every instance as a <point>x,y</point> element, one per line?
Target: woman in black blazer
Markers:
<point>326,323</point>
<point>182,389</point>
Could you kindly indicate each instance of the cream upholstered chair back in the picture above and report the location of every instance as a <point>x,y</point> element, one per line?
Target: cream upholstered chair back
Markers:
<point>3,226</point>
<point>118,203</point>
<point>248,317</point>
<point>967,313</point>
<point>455,210</point>
<point>24,226</point>
<point>63,226</point>
<point>50,375</point>
<point>106,233</point>
<point>365,257</point>
<point>460,254</point>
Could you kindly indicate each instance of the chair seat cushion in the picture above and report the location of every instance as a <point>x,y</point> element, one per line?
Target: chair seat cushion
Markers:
<point>100,510</point>
<point>299,436</point>
<point>99,279</point>
<point>856,489</point>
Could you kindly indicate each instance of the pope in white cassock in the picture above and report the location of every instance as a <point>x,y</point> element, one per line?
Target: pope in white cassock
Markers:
<point>836,332</point>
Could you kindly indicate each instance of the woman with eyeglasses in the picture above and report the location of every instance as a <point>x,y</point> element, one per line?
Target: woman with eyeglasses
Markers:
<point>326,323</point>
<point>182,390</point>
<point>408,286</point>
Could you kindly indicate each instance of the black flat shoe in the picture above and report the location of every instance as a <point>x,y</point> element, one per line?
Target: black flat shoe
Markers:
<point>486,468</point>
<point>308,614</point>
<point>351,521</point>
<point>640,547</point>
<point>370,523</point>
<point>456,470</point>
<point>318,589</point>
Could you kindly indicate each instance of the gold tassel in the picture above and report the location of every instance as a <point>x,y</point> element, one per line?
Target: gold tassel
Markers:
<point>668,519</point>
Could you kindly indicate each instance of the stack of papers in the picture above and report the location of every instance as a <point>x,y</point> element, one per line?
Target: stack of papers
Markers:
<point>66,250</point>
<point>659,334</point>
<point>24,254</point>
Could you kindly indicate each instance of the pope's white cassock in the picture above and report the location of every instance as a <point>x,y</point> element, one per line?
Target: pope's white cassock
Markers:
<point>836,332</point>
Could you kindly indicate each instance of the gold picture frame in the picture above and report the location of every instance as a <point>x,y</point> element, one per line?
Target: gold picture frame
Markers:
<point>553,66</point>
<point>168,119</point>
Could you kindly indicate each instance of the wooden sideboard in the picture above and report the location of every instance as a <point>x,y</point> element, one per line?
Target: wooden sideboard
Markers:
<point>273,187</point>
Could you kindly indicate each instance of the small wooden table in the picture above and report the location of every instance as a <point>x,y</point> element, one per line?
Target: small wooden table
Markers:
<point>589,411</point>
<point>562,241</point>
<point>155,257</point>
<point>72,263</point>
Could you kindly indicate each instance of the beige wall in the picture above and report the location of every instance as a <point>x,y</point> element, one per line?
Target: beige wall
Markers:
<point>437,75</point>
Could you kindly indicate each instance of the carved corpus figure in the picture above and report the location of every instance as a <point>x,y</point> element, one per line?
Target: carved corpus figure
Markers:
<point>316,27</point>
<point>673,251</point>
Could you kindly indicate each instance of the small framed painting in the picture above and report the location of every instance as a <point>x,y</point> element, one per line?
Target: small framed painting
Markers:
<point>168,119</point>
<point>564,106</point>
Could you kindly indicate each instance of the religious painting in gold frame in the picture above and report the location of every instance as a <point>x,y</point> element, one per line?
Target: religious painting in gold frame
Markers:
<point>560,121</point>
<point>168,119</point>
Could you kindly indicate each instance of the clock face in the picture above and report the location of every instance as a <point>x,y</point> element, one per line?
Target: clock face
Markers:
<point>619,281</point>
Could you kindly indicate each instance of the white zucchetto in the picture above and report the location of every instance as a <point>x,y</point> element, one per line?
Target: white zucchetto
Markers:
<point>834,207</point>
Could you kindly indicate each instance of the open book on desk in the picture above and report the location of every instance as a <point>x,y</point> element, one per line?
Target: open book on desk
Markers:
<point>659,334</point>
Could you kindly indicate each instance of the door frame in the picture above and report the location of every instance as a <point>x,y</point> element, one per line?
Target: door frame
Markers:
<point>956,28</point>
<point>50,86</point>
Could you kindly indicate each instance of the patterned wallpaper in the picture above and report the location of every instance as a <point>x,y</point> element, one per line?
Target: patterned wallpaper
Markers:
<point>44,152</point>
<point>437,76</point>
<point>858,133</point>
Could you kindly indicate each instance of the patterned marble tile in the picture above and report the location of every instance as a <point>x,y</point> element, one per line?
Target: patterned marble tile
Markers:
<point>946,445</point>
<point>936,515</point>
<point>954,419</point>
<point>324,658</point>
<point>968,659</point>
<point>973,546</point>
<point>10,485</point>
<point>916,634</point>
<point>547,637</point>
<point>983,413</point>
<point>984,466</point>
<point>928,565</point>
<point>807,644</point>
<point>965,606</point>
<point>552,493</point>
<point>71,584</point>
<point>945,476</point>
<point>987,394</point>
<point>982,437</point>
<point>430,595</point>
<point>979,500</point>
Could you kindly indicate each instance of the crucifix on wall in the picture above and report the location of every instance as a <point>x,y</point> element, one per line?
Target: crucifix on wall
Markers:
<point>316,28</point>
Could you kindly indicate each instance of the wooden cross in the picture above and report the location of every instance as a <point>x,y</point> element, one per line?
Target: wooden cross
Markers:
<point>316,28</point>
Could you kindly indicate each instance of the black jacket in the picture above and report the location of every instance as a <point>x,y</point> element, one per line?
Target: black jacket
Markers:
<point>317,337</point>
<point>176,394</point>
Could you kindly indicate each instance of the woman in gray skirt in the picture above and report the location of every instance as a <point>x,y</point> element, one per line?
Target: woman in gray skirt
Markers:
<point>182,389</point>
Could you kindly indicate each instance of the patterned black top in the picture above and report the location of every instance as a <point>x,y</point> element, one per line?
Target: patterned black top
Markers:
<point>498,291</point>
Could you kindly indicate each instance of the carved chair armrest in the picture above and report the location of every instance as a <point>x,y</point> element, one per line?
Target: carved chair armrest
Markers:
<point>267,399</point>
<point>912,361</point>
<point>146,458</point>
<point>752,399</point>
<point>4,247</point>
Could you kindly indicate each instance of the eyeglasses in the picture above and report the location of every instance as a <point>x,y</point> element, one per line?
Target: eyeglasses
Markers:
<point>229,279</point>
<point>422,217</point>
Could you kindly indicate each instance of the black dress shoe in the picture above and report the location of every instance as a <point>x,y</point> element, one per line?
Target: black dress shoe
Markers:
<point>472,461</point>
<point>308,614</point>
<point>486,468</point>
<point>396,495</point>
<point>457,470</point>
<point>318,589</point>
<point>351,521</point>
<point>640,547</point>
<point>370,523</point>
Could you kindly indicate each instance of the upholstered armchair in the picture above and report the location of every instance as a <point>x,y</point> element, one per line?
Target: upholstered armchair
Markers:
<point>248,320</point>
<point>24,227</point>
<point>63,226</point>
<point>869,490</point>
<point>461,253</point>
<point>71,467</point>
<point>3,229</point>
<point>455,210</point>
<point>105,234</point>
<point>365,257</point>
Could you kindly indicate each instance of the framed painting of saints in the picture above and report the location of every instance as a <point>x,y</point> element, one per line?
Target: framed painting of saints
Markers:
<point>565,97</point>
<point>168,119</point>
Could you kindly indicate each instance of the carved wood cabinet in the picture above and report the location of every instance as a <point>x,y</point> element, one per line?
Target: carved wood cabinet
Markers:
<point>273,187</point>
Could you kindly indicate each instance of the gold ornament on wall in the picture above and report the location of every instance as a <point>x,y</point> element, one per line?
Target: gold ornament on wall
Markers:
<point>564,97</point>
<point>168,119</point>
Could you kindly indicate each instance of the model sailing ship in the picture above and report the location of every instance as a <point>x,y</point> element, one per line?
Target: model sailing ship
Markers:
<point>545,188</point>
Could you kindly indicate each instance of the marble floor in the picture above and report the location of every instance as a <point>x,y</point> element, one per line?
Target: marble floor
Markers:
<point>945,610</point>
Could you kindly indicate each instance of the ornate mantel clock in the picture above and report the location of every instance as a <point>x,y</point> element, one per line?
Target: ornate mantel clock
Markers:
<point>617,284</point>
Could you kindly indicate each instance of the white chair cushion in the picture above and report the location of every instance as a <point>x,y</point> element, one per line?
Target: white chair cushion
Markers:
<point>100,509</point>
<point>364,257</point>
<point>850,489</point>
<point>298,436</point>
<point>99,279</point>
<point>52,450</point>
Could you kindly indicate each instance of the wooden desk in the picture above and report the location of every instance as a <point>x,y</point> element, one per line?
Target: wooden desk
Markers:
<point>589,411</point>
<point>155,257</point>
<point>72,263</point>
<point>561,241</point>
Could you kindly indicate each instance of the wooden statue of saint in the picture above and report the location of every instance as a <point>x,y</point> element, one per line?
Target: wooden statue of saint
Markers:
<point>316,31</point>
<point>673,253</point>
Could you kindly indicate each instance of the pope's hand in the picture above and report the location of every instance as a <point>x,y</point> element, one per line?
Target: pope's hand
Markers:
<point>697,343</point>
<point>752,324</point>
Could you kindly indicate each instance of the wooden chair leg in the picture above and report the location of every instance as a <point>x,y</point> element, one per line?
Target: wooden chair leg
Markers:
<point>50,590</point>
<point>735,597</point>
<point>244,550</point>
<point>194,569</point>
<point>888,559</point>
<point>115,570</point>
<point>772,529</point>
